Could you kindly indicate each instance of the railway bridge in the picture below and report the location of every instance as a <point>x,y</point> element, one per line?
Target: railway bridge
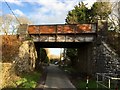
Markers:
<point>81,36</point>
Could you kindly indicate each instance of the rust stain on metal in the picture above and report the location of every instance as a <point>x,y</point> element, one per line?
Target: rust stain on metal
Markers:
<point>84,27</point>
<point>52,29</point>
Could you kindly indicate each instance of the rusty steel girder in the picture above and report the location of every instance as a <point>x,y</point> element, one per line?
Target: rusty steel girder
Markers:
<point>61,29</point>
<point>60,32</point>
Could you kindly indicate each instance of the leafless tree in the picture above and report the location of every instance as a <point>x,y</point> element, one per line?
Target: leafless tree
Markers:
<point>114,17</point>
<point>9,24</point>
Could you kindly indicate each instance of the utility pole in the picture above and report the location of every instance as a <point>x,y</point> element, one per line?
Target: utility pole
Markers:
<point>60,54</point>
<point>64,53</point>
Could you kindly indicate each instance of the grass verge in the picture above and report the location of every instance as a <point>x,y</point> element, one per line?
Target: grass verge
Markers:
<point>28,80</point>
<point>80,82</point>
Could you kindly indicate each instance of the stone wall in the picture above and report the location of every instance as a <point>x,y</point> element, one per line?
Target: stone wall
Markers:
<point>25,62</point>
<point>106,59</point>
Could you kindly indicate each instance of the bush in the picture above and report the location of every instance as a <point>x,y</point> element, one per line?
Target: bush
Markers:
<point>10,47</point>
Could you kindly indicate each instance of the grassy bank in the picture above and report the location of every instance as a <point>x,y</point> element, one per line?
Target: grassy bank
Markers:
<point>26,81</point>
<point>92,85</point>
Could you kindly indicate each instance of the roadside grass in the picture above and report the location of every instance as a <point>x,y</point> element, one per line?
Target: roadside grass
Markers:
<point>28,80</point>
<point>80,83</point>
<point>69,70</point>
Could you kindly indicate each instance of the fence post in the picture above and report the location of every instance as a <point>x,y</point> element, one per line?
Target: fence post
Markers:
<point>103,77</point>
<point>109,83</point>
<point>87,82</point>
<point>97,80</point>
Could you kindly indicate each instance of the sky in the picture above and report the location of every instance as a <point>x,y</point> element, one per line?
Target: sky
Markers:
<point>42,11</point>
<point>56,51</point>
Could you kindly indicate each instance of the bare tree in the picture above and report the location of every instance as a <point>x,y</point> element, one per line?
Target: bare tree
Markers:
<point>114,17</point>
<point>9,24</point>
<point>24,20</point>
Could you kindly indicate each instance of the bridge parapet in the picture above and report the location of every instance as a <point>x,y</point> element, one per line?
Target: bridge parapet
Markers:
<point>22,32</point>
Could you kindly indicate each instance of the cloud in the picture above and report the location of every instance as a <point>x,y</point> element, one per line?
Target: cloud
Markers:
<point>17,2</point>
<point>49,11</point>
<point>52,11</point>
<point>89,3</point>
<point>18,12</point>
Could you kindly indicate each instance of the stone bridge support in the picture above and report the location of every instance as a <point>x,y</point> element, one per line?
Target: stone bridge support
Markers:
<point>85,61</point>
<point>25,61</point>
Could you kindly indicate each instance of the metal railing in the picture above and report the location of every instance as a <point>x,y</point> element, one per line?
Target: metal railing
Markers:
<point>109,77</point>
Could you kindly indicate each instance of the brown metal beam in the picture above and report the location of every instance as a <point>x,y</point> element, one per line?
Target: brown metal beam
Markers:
<point>53,29</point>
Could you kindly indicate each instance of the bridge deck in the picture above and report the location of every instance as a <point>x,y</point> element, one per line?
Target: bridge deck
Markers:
<point>62,29</point>
<point>61,32</point>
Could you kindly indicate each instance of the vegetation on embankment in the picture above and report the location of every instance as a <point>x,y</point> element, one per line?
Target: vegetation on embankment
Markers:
<point>10,47</point>
<point>12,78</point>
<point>81,84</point>
<point>80,80</point>
<point>26,80</point>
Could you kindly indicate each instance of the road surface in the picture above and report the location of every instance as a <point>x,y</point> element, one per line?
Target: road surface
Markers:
<point>57,79</point>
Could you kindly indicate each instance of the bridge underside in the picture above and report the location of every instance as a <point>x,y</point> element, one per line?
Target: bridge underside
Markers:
<point>84,37</point>
<point>84,62</point>
<point>60,44</point>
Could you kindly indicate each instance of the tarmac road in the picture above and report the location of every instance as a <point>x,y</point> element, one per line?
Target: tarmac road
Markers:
<point>57,79</point>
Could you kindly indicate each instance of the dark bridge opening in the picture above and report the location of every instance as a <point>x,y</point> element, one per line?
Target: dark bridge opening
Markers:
<point>61,44</point>
<point>82,62</point>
